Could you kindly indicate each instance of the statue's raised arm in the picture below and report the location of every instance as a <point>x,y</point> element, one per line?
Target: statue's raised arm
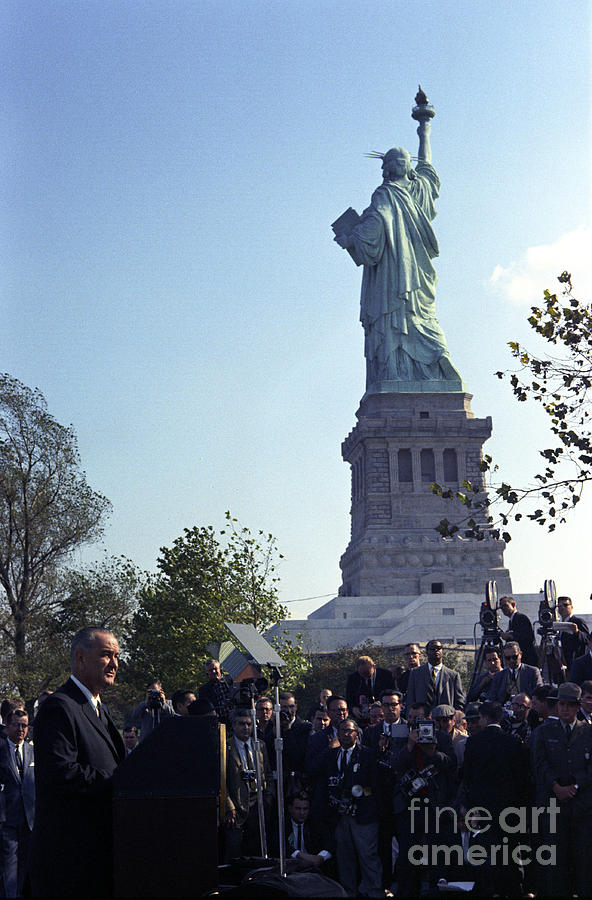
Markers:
<point>423,112</point>
<point>393,239</point>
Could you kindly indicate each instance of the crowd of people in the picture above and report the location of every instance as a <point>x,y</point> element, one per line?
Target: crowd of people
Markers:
<point>403,782</point>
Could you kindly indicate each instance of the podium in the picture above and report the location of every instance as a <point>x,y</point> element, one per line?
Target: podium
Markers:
<point>165,811</point>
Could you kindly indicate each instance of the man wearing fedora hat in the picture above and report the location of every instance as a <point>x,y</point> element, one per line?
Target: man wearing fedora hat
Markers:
<point>561,760</point>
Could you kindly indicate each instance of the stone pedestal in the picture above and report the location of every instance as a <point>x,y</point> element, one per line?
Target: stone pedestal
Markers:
<point>402,443</point>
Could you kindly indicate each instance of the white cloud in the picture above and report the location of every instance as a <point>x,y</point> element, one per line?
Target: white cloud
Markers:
<point>523,282</point>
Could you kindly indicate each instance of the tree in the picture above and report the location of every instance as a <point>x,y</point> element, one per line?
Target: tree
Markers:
<point>104,594</point>
<point>47,510</point>
<point>561,383</point>
<point>297,661</point>
<point>200,584</point>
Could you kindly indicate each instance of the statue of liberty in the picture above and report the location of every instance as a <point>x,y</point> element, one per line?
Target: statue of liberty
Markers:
<point>395,242</point>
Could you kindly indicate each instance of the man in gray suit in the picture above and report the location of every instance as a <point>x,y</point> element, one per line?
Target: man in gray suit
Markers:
<point>515,678</point>
<point>434,683</point>
<point>17,775</point>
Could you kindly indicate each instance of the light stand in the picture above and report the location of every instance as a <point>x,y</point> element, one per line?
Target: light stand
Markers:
<point>259,778</point>
<point>264,655</point>
<point>279,767</point>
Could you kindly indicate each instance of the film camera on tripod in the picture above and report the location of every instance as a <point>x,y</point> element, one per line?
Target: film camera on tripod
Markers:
<point>551,661</point>
<point>491,636</point>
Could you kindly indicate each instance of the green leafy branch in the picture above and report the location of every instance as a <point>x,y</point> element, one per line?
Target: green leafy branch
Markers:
<point>561,384</point>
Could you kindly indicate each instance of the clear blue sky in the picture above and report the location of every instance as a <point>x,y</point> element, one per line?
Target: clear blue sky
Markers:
<point>170,173</point>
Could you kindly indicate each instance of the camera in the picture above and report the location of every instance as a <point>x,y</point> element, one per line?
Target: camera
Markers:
<point>489,612</point>
<point>154,699</point>
<point>413,782</point>
<point>249,776</point>
<point>426,731</point>
<point>243,691</point>
<point>548,606</point>
<point>344,805</point>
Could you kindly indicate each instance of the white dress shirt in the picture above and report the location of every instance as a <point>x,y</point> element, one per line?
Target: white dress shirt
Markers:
<point>94,701</point>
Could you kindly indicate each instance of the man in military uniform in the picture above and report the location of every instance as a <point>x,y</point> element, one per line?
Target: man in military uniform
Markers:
<point>561,759</point>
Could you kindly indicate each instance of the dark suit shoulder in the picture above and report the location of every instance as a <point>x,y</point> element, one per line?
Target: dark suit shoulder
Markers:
<point>371,735</point>
<point>67,692</point>
<point>384,675</point>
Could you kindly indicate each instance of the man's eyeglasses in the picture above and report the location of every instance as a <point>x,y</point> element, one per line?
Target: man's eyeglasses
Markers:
<point>513,656</point>
<point>387,703</point>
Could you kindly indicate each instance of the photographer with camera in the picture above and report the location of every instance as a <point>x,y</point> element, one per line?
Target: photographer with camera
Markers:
<point>217,690</point>
<point>424,768</point>
<point>242,814</point>
<point>152,711</point>
<point>382,738</point>
<point>347,782</point>
<point>364,686</point>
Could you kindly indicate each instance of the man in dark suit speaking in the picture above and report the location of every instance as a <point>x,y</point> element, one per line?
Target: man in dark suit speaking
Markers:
<point>77,749</point>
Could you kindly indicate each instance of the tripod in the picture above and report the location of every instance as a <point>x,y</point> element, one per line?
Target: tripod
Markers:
<point>551,661</point>
<point>490,639</point>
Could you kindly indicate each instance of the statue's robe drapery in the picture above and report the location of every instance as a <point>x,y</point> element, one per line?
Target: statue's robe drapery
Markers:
<point>395,242</point>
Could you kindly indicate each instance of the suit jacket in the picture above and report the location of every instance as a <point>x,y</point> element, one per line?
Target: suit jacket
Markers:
<point>480,688</point>
<point>372,734</point>
<point>449,689</point>
<point>403,681</point>
<point>312,843</point>
<point>19,795</point>
<point>529,677</point>
<point>521,628</point>
<point>495,771</point>
<point>441,790</point>
<point>361,770</point>
<point>385,781</point>
<point>295,744</point>
<point>574,645</point>
<point>75,756</point>
<point>237,789</point>
<point>356,685</point>
<point>554,760</point>
<point>581,669</point>
<point>316,747</point>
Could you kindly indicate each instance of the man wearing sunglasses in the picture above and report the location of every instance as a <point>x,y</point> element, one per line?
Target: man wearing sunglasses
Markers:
<point>515,678</point>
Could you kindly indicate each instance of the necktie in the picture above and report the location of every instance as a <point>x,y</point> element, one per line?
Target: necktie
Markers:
<point>343,762</point>
<point>568,732</point>
<point>431,691</point>
<point>19,760</point>
<point>300,839</point>
<point>249,756</point>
